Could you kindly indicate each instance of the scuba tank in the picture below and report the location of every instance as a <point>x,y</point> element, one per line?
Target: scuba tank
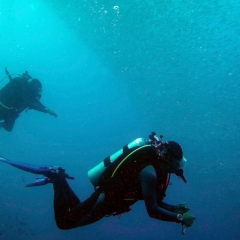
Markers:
<point>95,173</point>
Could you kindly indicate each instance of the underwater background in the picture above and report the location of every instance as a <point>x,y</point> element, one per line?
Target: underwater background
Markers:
<point>115,71</point>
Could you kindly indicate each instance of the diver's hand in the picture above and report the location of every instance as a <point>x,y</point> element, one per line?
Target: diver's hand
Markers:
<point>181,208</point>
<point>188,219</point>
<point>51,112</point>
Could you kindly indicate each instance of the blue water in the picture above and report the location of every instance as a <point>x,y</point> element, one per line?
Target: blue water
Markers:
<point>115,71</point>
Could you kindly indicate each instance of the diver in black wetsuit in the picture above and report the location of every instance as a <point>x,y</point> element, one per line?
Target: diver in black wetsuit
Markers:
<point>20,94</point>
<point>139,171</point>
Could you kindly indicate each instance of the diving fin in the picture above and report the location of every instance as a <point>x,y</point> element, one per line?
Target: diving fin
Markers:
<point>48,171</point>
<point>39,182</point>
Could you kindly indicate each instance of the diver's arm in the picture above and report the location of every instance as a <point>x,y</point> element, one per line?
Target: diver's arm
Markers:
<point>38,106</point>
<point>148,178</point>
<point>167,206</point>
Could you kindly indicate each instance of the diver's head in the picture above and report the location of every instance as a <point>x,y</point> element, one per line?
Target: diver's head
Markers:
<point>172,158</point>
<point>171,151</point>
<point>36,87</point>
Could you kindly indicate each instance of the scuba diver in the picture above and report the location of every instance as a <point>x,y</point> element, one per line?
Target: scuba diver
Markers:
<point>139,171</point>
<point>21,93</point>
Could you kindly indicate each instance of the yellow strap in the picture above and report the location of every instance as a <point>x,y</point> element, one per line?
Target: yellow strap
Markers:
<point>5,106</point>
<point>127,158</point>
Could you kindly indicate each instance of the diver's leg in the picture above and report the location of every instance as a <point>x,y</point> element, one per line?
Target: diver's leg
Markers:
<point>64,200</point>
<point>97,212</point>
<point>70,212</point>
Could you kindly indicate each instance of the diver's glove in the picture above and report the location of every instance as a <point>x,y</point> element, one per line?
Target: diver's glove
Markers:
<point>181,208</point>
<point>51,112</point>
<point>188,219</point>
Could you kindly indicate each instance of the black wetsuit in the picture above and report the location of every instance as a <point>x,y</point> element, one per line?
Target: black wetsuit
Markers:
<point>138,178</point>
<point>15,97</point>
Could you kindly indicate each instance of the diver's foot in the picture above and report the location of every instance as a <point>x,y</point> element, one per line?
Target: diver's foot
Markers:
<point>39,182</point>
<point>52,175</point>
<point>55,173</point>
